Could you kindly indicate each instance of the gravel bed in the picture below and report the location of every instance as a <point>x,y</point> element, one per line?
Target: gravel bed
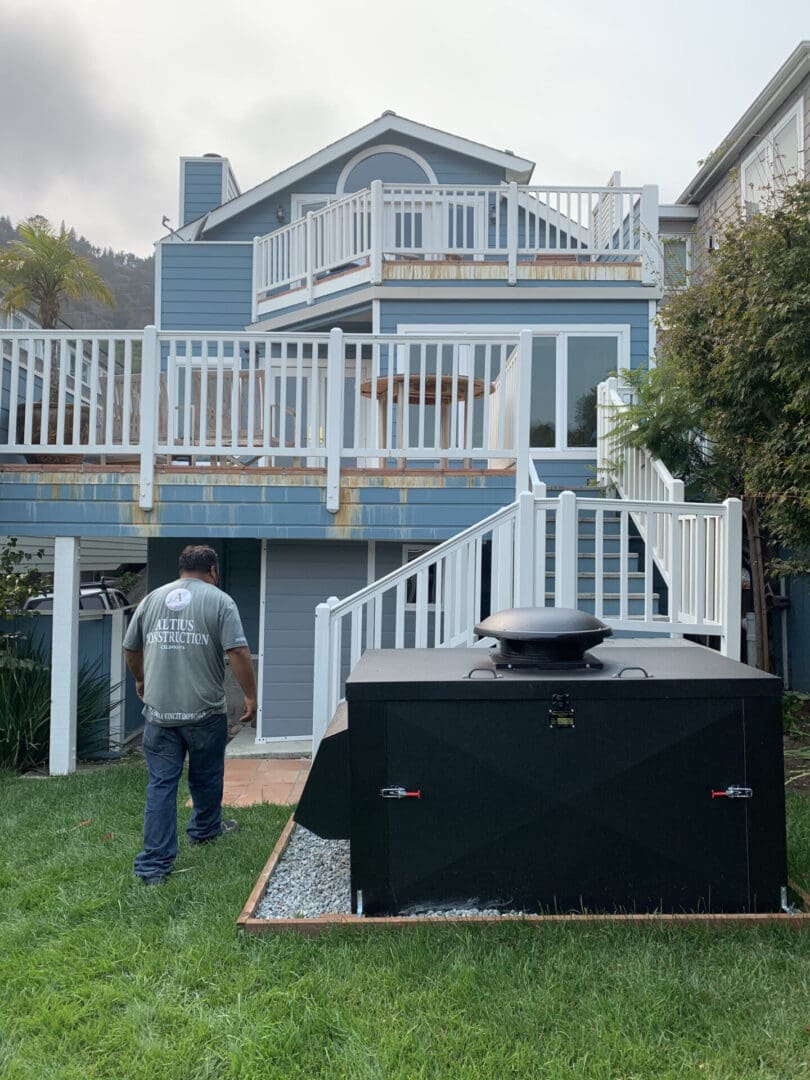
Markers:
<point>312,878</point>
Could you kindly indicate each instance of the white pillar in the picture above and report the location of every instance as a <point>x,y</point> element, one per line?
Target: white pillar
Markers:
<point>150,389</point>
<point>566,547</point>
<point>117,678</point>
<point>523,413</point>
<point>64,655</point>
<point>334,419</point>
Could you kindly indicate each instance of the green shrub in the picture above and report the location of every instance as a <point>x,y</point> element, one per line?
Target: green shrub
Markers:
<point>25,706</point>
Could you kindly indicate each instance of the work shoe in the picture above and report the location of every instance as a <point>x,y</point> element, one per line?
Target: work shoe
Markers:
<point>225,827</point>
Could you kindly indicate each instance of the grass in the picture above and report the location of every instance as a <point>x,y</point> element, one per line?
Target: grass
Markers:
<point>105,978</point>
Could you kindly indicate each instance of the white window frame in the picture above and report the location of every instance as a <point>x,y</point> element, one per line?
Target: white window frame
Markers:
<point>795,113</point>
<point>560,331</point>
<point>681,238</point>
<point>409,553</point>
<point>300,198</point>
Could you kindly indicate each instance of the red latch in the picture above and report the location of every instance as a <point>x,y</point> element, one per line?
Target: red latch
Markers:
<point>734,791</point>
<point>399,793</point>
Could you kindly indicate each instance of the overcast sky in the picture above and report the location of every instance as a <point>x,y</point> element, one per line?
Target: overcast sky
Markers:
<point>102,97</point>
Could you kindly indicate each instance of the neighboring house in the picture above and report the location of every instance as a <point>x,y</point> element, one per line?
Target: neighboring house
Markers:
<point>763,153</point>
<point>359,359</point>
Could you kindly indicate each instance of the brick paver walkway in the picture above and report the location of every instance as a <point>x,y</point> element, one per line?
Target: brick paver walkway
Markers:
<point>263,780</point>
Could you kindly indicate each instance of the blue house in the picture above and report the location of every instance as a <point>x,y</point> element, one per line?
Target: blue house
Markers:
<point>372,384</point>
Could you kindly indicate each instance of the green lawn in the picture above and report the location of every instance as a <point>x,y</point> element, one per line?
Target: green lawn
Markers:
<point>102,977</point>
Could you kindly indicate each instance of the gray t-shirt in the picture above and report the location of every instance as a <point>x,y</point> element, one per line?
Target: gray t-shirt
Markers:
<point>183,629</point>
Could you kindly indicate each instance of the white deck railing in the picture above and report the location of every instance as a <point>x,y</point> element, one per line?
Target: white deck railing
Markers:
<point>535,551</point>
<point>685,556</point>
<point>506,223</point>
<point>318,400</point>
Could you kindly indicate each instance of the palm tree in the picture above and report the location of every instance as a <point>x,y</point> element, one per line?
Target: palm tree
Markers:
<point>41,270</point>
<point>38,273</point>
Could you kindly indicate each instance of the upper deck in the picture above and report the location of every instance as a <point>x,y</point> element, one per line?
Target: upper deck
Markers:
<point>508,233</point>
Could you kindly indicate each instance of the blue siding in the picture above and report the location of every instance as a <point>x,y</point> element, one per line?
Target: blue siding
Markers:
<point>250,507</point>
<point>300,576</point>
<point>450,168</point>
<point>206,286</point>
<point>521,313</point>
<point>202,182</point>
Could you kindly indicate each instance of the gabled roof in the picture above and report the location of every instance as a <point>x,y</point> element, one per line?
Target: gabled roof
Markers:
<point>516,168</point>
<point>772,98</point>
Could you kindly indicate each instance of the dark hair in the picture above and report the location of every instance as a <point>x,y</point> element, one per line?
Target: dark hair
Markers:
<point>198,557</point>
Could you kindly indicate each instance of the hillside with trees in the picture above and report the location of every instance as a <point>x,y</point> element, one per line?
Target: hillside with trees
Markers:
<point>130,277</point>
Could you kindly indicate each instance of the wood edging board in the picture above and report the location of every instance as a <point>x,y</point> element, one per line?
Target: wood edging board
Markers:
<point>313,927</point>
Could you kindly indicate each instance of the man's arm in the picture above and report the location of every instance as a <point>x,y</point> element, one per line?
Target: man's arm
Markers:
<point>134,659</point>
<point>242,668</point>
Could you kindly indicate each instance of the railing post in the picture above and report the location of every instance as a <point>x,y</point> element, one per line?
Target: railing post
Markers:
<point>322,705</point>
<point>377,231</point>
<point>512,232</point>
<point>334,418</point>
<point>648,234</point>
<point>309,247</point>
<point>524,412</point>
<point>257,276</point>
<point>524,556</point>
<point>64,655</point>
<point>117,678</point>
<point>566,548</point>
<point>731,574</point>
<point>149,413</point>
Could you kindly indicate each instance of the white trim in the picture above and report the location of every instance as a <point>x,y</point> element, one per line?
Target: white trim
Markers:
<point>298,198</point>
<point>415,549</point>
<point>562,332</point>
<point>515,168</point>
<point>371,562</point>
<point>262,625</point>
<point>385,148</point>
<point>541,291</point>
<point>673,212</point>
<point>375,316</point>
<point>158,290</point>
<point>796,113</point>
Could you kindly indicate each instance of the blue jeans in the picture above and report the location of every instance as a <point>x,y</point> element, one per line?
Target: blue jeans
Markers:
<point>165,750</point>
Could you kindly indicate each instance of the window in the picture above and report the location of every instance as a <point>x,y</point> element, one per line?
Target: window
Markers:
<point>677,258</point>
<point>566,371</point>
<point>391,164</point>
<point>775,163</point>
<point>409,553</point>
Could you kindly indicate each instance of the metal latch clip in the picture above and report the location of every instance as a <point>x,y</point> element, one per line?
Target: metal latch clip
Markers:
<point>399,793</point>
<point>734,792</point>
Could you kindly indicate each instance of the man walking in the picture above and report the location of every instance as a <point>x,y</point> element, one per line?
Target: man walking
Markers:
<point>175,648</point>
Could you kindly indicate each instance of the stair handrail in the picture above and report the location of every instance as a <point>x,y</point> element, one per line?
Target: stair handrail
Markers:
<point>632,471</point>
<point>455,567</point>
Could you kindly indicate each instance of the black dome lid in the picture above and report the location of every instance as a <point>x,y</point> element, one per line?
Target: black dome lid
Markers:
<point>530,623</point>
<point>543,634</point>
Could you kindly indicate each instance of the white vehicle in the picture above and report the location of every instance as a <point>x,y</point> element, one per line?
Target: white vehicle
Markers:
<point>94,596</point>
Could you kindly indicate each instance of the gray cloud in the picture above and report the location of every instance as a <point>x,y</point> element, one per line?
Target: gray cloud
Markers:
<point>70,148</point>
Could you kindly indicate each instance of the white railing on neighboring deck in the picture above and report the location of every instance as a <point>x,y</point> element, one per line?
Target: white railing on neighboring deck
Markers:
<point>71,392</point>
<point>317,400</point>
<point>506,223</point>
<point>566,552</point>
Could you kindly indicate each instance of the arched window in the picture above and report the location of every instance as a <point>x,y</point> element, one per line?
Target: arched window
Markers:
<point>391,164</point>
